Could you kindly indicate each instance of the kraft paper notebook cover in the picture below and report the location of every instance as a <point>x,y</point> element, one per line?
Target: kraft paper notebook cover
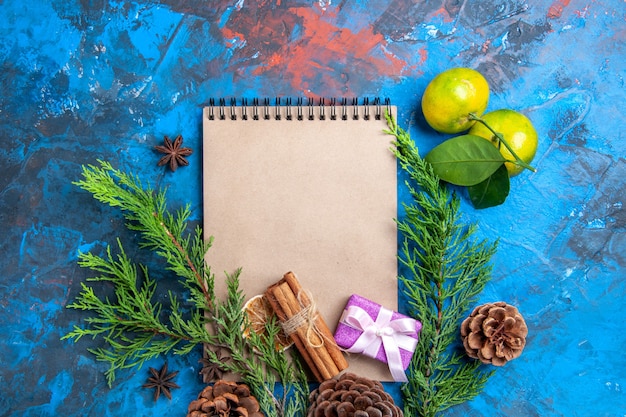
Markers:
<point>303,188</point>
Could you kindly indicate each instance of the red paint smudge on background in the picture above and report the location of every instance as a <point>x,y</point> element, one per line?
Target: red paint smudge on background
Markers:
<point>335,59</point>
<point>445,14</point>
<point>338,54</point>
<point>556,8</point>
<point>231,37</point>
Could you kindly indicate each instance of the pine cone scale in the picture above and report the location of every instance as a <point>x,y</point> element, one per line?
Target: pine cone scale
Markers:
<point>373,412</point>
<point>345,409</point>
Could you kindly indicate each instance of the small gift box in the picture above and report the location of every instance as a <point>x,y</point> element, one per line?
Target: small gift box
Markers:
<point>368,328</point>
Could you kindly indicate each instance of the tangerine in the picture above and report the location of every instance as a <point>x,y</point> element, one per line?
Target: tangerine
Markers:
<point>516,129</point>
<point>451,96</point>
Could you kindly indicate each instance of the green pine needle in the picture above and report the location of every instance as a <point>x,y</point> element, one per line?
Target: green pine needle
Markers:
<point>443,270</point>
<point>136,328</point>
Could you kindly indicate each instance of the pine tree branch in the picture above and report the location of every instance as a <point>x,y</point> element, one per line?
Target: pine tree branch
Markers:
<point>145,212</point>
<point>443,269</point>
<point>135,328</point>
<point>131,323</point>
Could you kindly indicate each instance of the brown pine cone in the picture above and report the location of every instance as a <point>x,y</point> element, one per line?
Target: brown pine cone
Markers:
<point>351,396</point>
<point>495,333</point>
<point>225,398</point>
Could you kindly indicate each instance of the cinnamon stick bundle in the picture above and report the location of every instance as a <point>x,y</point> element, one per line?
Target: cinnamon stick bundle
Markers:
<point>306,328</point>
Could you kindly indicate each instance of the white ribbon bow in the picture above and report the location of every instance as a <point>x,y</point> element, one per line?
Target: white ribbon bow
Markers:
<point>392,334</point>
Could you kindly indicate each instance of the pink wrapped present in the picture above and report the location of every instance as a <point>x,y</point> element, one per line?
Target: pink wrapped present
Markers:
<point>368,328</point>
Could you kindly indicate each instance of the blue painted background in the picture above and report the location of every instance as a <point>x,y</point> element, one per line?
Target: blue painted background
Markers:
<point>89,79</point>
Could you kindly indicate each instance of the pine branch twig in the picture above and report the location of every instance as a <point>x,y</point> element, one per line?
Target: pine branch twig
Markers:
<point>443,269</point>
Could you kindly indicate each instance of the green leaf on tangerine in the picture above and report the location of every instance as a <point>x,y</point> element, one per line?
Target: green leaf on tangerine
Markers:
<point>491,192</point>
<point>465,160</point>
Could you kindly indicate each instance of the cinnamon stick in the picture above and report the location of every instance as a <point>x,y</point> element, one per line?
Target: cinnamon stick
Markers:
<point>313,340</point>
<point>329,340</point>
<point>312,343</point>
<point>271,296</point>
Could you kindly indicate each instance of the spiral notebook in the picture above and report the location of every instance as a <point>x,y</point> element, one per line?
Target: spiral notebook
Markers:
<point>306,187</point>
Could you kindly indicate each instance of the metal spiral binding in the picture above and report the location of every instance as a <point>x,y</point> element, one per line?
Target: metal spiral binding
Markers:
<point>283,107</point>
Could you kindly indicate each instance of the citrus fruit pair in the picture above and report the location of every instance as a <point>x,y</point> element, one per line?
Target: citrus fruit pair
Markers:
<point>456,97</point>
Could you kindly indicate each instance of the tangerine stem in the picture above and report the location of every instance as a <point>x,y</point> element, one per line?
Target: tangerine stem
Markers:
<point>518,161</point>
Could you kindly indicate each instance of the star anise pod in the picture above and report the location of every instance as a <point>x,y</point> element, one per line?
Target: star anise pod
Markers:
<point>212,371</point>
<point>174,153</point>
<point>161,381</point>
